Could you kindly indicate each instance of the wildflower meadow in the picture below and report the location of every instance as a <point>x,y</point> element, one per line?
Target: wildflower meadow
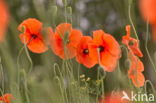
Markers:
<point>77,51</point>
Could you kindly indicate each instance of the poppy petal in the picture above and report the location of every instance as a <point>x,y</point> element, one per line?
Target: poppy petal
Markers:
<point>108,62</point>
<point>57,45</point>
<point>113,45</point>
<point>4,19</point>
<point>32,26</point>
<point>62,28</point>
<point>148,8</point>
<point>131,43</point>
<point>138,80</point>
<point>75,37</point>
<point>106,39</point>
<point>37,46</point>
<point>25,38</point>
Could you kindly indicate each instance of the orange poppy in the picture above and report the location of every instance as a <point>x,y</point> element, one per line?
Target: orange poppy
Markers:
<point>115,97</point>
<point>135,71</point>
<point>3,19</point>
<point>32,35</point>
<point>6,98</point>
<point>86,52</point>
<point>109,50</point>
<point>65,40</point>
<point>131,43</point>
<point>148,8</point>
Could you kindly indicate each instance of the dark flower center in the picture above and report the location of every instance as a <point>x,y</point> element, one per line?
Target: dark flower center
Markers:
<point>101,48</point>
<point>85,51</point>
<point>33,36</point>
<point>131,43</point>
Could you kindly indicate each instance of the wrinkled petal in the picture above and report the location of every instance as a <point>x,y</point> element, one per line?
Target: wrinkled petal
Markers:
<point>62,28</point>
<point>37,46</point>
<point>136,63</point>
<point>139,80</point>
<point>108,62</point>
<point>112,44</point>
<point>32,26</point>
<point>75,37</point>
<point>131,43</point>
<point>25,38</point>
<point>57,45</point>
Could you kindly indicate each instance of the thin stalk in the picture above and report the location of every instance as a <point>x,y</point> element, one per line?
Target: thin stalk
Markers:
<point>130,18</point>
<point>146,47</point>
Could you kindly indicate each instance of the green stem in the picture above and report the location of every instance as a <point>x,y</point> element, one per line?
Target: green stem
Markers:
<point>146,47</point>
<point>131,21</point>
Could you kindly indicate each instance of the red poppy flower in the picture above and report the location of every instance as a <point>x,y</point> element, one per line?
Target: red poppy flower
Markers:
<point>131,43</point>
<point>148,8</point>
<point>87,52</point>
<point>115,97</point>
<point>65,40</point>
<point>135,71</point>
<point>32,35</point>
<point>6,98</point>
<point>3,19</point>
<point>109,50</point>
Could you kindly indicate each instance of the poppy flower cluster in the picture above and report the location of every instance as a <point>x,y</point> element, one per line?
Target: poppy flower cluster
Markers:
<point>6,98</point>
<point>148,8</point>
<point>136,66</point>
<point>3,19</point>
<point>102,49</point>
<point>67,43</point>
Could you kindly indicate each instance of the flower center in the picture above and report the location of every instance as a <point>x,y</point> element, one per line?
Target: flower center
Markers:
<point>101,48</point>
<point>131,43</point>
<point>86,51</point>
<point>33,36</point>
